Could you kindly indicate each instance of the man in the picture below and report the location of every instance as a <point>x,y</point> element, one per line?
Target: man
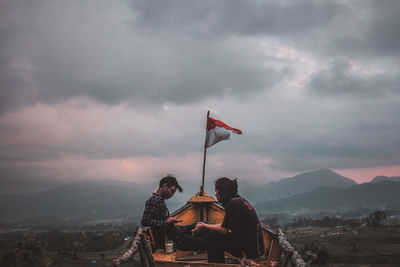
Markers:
<point>239,232</point>
<point>156,213</point>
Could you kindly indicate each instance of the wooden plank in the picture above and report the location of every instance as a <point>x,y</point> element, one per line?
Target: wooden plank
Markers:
<point>160,256</point>
<point>194,264</point>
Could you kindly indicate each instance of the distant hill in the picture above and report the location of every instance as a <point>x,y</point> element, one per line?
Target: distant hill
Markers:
<point>116,199</point>
<point>379,179</point>
<point>368,195</point>
<point>295,185</point>
<point>84,201</point>
<point>92,199</point>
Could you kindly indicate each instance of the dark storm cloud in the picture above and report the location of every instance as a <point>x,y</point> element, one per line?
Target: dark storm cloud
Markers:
<point>365,29</point>
<point>340,80</point>
<point>313,84</point>
<point>235,17</point>
<point>325,28</point>
<point>177,51</point>
<point>297,151</point>
<point>15,87</point>
<point>326,131</point>
<point>53,51</point>
<point>383,32</point>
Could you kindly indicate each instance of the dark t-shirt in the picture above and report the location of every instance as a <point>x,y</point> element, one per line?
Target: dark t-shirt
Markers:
<point>243,223</point>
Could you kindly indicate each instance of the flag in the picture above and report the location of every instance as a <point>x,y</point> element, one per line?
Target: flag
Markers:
<point>218,131</point>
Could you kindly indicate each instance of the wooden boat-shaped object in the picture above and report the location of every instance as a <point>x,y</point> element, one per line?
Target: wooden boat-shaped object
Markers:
<point>206,208</point>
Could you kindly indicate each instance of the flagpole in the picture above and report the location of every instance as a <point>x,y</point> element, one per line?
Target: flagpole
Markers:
<point>204,158</point>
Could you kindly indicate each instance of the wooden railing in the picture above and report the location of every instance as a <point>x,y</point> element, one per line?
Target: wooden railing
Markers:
<point>139,244</point>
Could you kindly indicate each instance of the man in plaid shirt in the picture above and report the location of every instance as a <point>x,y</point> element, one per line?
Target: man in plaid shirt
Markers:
<point>156,213</point>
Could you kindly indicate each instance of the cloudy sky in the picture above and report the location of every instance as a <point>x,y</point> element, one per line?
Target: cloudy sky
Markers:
<point>102,89</point>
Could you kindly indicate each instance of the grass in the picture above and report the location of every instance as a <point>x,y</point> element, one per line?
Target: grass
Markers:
<point>350,245</point>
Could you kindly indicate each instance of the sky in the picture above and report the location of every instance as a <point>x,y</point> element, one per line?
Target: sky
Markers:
<point>101,89</point>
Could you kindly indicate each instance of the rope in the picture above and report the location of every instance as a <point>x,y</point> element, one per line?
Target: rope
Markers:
<point>131,251</point>
<point>288,250</point>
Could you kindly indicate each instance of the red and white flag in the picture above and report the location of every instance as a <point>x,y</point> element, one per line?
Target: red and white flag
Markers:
<point>218,131</point>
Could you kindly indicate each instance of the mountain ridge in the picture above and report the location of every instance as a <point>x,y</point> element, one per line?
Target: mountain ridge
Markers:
<point>119,199</point>
<point>300,183</point>
<point>381,178</point>
<point>102,198</point>
<point>368,195</point>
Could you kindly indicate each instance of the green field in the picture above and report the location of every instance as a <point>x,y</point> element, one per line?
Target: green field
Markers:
<point>342,246</point>
<point>350,246</point>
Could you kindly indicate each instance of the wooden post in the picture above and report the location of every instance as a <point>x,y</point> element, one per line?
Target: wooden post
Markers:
<point>147,251</point>
<point>201,206</point>
<point>204,158</point>
<point>270,250</point>
<point>143,258</point>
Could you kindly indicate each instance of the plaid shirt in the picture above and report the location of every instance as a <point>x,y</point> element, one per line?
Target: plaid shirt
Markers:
<point>155,212</point>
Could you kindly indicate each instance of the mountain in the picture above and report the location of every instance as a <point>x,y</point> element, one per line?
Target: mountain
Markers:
<point>116,199</point>
<point>367,195</point>
<point>379,179</point>
<point>78,201</point>
<point>295,185</point>
<point>85,201</point>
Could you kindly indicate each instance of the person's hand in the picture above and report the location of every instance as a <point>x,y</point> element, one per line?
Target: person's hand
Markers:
<point>199,226</point>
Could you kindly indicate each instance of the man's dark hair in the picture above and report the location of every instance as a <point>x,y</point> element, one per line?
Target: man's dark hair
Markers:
<point>227,189</point>
<point>170,180</point>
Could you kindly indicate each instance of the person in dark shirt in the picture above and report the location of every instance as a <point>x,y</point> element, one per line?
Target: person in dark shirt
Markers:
<point>239,233</point>
<point>156,214</point>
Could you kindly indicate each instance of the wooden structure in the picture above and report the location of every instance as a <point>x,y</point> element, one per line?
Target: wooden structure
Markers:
<point>202,207</point>
<point>277,249</point>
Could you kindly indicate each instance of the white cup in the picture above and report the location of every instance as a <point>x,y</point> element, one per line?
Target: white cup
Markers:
<point>169,246</point>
